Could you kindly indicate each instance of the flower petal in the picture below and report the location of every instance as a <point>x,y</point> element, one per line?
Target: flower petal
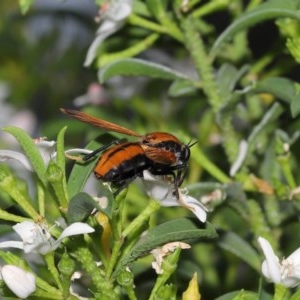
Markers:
<point>163,191</point>
<point>106,29</point>
<point>112,20</point>
<point>295,257</point>
<point>195,206</point>
<point>12,244</point>
<point>161,252</point>
<point>73,229</point>
<point>290,282</point>
<point>76,228</point>
<point>20,282</point>
<point>78,151</point>
<point>20,157</point>
<point>36,237</point>
<point>25,229</point>
<point>158,189</point>
<point>119,10</point>
<point>271,266</point>
<point>290,270</point>
<point>46,148</point>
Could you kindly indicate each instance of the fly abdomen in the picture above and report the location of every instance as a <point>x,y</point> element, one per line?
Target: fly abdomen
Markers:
<point>121,162</point>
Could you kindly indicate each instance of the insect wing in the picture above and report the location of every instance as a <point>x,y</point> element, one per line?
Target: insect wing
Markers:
<point>81,116</point>
<point>160,156</point>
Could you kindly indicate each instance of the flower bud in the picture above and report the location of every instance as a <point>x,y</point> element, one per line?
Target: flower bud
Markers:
<point>66,265</point>
<point>20,282</point>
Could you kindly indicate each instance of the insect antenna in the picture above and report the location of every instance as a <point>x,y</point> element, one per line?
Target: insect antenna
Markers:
<point>191,144</point>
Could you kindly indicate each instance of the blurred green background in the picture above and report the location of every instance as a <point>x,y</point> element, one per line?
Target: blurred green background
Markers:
<point>41,70</point>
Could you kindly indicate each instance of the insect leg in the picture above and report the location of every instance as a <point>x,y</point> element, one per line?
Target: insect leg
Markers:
<point>123,185</point>
<point>104,147</point>
<point>178,176</point>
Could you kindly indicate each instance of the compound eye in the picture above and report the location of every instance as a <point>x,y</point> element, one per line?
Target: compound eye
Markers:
<point>185,153</point>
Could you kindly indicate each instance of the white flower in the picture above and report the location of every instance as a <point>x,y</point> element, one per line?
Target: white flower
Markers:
<point>163,191</point>
<point>160,253</point>
<point>36,238</point>
<point>46,149</point>
<point>112,16</point>
<point>20,282</point>
<point>286,271</point>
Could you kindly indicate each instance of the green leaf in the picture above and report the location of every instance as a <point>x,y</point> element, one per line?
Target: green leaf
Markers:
<point>30,150</point>
<point>181,88</point>
<point>239,247</point>
<point>81,171</point>
<point>283,88</point>
<point>265,11</point>
<point>138,67</point>
<point>295,296</point>
<point>295,106</point>
<point>60,148</point>
<point>263,295</point>
<point>141,9</point>
<point>228,77</point>
<point>55,176</point>
<point>180,230</point>
<point>25,5</point>
<point>270,115</point>
<point>157,8</point>
<point>82,204</point>
<point>60,157</point>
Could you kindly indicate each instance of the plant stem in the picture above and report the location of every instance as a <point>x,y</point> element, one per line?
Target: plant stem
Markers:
<point>281,292</point>
<point>211,168</point>
<point>138,222</point>
<point>137,20</point>
<point>210,7</point>
<point>285,164</point>
<point>41,198</point>
<point>103,286</point>
<point>203,63</point>
<point>49,257</point>
<point>153,206</point>
<point>4,215</point>
<point>195,45</point>
<point>129,52</point>
<point>9,186</point>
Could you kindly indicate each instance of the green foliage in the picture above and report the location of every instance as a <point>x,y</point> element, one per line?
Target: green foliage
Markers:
<point>224,73</point>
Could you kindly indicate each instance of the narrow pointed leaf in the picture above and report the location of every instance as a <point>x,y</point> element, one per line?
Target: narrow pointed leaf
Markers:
<point>30,150</point>
<point>82,205</point>
<point>283,88</point>
<point>61,159</point>
<point>271,115</point>
<point>180,88</point>
<point>239,247</point>
<point>138,67</point>
<point>179,230</point>
<point>265,11</point>
<point>81,171</point>
<point>296,296</point>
